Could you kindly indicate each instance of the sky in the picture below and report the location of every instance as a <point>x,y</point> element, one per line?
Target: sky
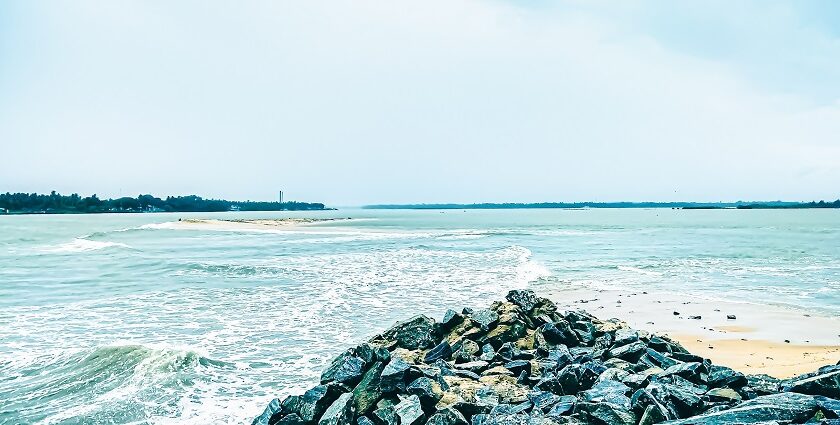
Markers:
<point>359,102</point>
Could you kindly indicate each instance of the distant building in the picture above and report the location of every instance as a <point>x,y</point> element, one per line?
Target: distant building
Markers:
<point>234,208</point>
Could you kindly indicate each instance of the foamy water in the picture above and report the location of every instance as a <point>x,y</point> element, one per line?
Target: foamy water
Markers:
<point>137,319</point>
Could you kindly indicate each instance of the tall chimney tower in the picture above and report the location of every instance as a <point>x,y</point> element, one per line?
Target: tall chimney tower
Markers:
<point>281,196</point>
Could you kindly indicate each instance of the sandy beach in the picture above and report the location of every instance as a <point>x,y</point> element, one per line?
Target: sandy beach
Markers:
<point>250,224</point>
<point>761,339</point>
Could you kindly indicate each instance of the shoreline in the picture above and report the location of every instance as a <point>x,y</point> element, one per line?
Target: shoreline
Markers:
<point>761,339</point>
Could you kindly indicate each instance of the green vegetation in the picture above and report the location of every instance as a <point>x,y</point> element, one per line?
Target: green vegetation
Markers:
<point>567,205</point>
<point>54,203</point>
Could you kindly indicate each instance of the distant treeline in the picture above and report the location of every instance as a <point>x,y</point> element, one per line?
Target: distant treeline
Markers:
<point>680,205</point>
<point>55,203</point>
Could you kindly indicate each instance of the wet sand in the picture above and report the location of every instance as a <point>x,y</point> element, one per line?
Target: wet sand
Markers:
<point>773,340</point>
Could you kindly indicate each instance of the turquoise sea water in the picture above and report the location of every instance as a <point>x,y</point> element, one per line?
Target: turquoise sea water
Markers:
<point>133,319</point>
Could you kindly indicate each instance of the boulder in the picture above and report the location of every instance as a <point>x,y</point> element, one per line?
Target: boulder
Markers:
<point>440,351</point>
<point>559,332</point>
<point>790,407</point>
<point>451,319</point>
<point>415,333</point>
<point>347,369</point>
<point>608,414</point>
<point>272,408</point>
<point>447,416</point>
<point>565,405</point>
<point>826,383</point>
<point>426,389</point>
<point>410,411</point>
<point>525,299</point>
<point>368,391</point>
<point>340,411</point>
<point>630,352</point>
<point>485,318</point>
<point>393,375</point>
<point>612,392</point>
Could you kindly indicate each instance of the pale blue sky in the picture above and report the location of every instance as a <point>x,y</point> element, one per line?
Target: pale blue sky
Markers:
<point>358,102</point>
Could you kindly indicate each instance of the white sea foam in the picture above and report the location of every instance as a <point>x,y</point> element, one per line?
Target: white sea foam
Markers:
<point>84,245</point>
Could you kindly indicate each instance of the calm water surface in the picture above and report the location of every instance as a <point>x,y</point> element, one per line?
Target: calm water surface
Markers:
<point>133,319</point>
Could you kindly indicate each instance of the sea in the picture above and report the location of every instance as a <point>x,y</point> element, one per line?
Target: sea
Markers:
<point>139,318</point>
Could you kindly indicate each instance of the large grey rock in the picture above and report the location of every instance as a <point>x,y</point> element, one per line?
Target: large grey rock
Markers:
<point>485,318</point>
<point>347,369</point>
<point>393,375</point>
<point>559,332</point>
<point>608,414</point>
<point>427,389</point>
<point>612,392</point>
<point>525,299</point>
<point>409,410</point>
<point>272,408</point>
<point>447,416</point>
<point>790,407</point>
<point>441,351</point>
<point>368,391</point>
<point>340,411</point>
<point>826,383</point>
<point>417,332</point>
<point>630,352</point>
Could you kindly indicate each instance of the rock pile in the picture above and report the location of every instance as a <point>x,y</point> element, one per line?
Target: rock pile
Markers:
<point>523,362</point>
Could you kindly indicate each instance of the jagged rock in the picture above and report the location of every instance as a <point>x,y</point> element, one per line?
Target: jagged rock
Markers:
<point>504,332</point>
<point>465,351</point>
<point>385,415</point>
<point>441,351</point>
<point>485,318</point>
<point>608,414</point>
<point>825,383</point>
<point>764,384</point>
<point>720,376</point>
<point>525,299</point>
<point>368,391</point>
<point>451,319</point>
<point>624,336</point>
<point>829,406</point>
<point>347,369</point>
<point>660,359</point>
<point>393,375</point>
<point>428,390</point>
<point>692,371</point>
<point>790,407</point>
<point>518,366</point>
<point>364,420</point>
<point>312,404</point>
<point>653,414</point>
<point>612,392</point>
<point>415,333</point>
<point>487,352</point>
<point>680,402</point>
<point>272,408</point>
<point>340,411</point>
<point>630,352</point>
<point>475,366</point>
<point>564,405</point>
<point>543,400</point>
<point>447,416</point>
<point>290,419</point>
<point>559,332</point>
<point>409,410</point>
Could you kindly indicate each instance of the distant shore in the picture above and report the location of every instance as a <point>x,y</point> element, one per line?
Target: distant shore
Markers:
<point>612,205</point>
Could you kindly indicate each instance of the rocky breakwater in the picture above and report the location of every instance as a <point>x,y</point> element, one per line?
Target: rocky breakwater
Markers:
<point>523,362</point>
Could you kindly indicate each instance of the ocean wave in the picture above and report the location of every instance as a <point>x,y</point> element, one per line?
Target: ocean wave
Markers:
<point>94,385</point>
<point>84,245</point>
